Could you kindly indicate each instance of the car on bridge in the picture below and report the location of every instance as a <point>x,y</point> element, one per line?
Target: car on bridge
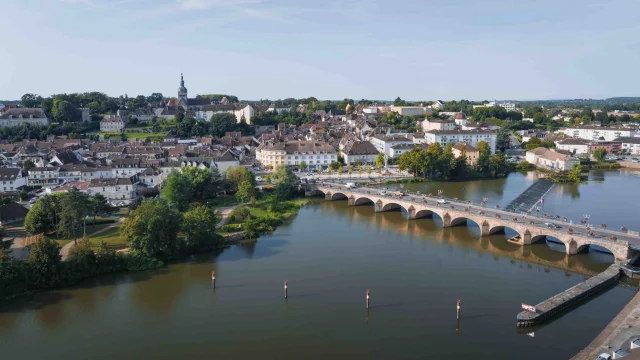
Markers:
<point>382,193</point>
<point>552,226</point>
<point>442,201</point>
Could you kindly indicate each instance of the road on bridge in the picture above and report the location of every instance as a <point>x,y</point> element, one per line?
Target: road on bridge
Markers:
<point>538,221</point>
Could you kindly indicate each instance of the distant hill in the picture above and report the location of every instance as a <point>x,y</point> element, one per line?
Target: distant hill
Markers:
<point>7,102</point>
<point>585,102</point>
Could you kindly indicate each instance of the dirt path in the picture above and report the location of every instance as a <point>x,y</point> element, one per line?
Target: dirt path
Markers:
<point>64,252</point>
<point>225,211</point>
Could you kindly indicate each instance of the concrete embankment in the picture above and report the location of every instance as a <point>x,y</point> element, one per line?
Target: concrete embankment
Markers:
<point>624,327</point>
<point>530,197</point>
<point>560,303</point>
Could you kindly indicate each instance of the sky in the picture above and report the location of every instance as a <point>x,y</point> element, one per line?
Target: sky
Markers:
<point>330,49</point>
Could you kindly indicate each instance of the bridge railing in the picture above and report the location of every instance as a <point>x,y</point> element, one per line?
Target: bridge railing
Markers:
<point>550,218</point>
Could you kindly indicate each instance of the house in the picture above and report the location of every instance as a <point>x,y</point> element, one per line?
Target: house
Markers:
<point>470,152</point>
<point>278,107</point>
<point>19,116</point>
<point>315,154</point>
<point>437,124</point>
<point>471,137</point>
<point>121,189</point>
<point>13,212</point>
<point>151,176</point>
<point>242,112</point>
<point>599,133</point>
<point>575,146</point>
<point>44,176</point>
<point>411,110</point>
<point>65,157</point>
<point>360,152</point>
<point>112,123</point>
<point>629,145</point>
<point>549,159</point>
<point>460,119</point>
<point>126,167</point>
<point>438,104</point>
<point>397,150</point>
<point>226,160</point>
<point>12,179</point>
<point>383,143</point>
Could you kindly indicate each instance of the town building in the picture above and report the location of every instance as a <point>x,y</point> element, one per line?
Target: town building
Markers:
<point>44,176</point>
<point>470,152</point>
<point>383,143</point>
<point>315,154</point>
<point>112,123</point>
<point>471,137</point>
<point>438,104</point>
<point>360,152</point>
<point>19,116</point>
<point>121,189</point>
<point>575,146</point>
<point>411,110</point>
<point>12,179</point>
<point>629,145</point>
<point>599,133</point>
<point>552,160</point>
<point>437,124</point>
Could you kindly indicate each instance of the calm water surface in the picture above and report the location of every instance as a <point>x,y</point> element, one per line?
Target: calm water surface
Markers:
<point>330,254</point>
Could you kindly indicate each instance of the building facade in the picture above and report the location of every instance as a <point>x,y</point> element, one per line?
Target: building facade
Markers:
<point>19,116</point>
<point>471,137</point>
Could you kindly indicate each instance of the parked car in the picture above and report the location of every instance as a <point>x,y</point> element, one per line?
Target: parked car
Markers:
<point>442,201</point>
<point>382,193</point>
<point>350,185</point>
<point>552,226</point>
<point>259,178</point>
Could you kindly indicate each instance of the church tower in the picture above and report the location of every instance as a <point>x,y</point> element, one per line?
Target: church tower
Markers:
<point>182,94</point>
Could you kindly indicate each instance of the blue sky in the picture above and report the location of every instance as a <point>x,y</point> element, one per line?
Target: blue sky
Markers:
<point>331,49</point>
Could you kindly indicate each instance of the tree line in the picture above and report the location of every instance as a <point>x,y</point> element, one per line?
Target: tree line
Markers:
<point>438,163</point>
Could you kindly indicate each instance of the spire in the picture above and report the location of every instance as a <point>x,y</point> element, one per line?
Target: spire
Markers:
<point>181,80</point>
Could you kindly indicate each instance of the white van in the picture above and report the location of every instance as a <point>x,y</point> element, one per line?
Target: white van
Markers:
<point>350,185</point>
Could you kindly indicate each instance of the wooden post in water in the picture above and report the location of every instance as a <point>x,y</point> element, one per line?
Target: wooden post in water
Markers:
<point>213,278</point>
<point>285,289</point>
<point>368,295</point>
<point>458,311</point>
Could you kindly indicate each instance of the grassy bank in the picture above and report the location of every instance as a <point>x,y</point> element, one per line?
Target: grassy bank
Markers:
<point>262,216</point>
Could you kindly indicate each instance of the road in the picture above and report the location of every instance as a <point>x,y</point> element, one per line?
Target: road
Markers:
<point>538,221</point>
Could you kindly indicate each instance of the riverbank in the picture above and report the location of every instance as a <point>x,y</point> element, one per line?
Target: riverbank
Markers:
<point>620,330</point>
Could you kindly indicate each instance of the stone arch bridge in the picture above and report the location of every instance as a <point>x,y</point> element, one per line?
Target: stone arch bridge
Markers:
<point>453,213</point>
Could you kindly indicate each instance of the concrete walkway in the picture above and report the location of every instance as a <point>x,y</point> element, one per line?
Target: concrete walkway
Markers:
<point>225,211</point>
<point>64,251</point>
<point>618,333</point>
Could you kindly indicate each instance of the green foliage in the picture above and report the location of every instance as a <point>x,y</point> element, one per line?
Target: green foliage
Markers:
<point>28,165</point>
<point>238,174</point>
<point>222,123</point>
<point>231,227</point>
<point>199,226</point>
<point>575,173</point>
<point>152,229</point>
<point>239,214</point>
<point>246,191</point>
<point>218,97</point>
<point>73,207</point>
<point>599,154</point>
<point>44,260</point>
<point>286,182</point>
<point>64,111</point>
<point>178,190</point>
<point>380,160</point>
<point>41,217</point>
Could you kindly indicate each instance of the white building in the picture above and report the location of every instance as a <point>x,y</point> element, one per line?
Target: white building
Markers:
<point>471,137</point>
<point>44,176</point>
<point>575,146</point>
<point>437,124</point>
<point>240,111</point>
<point>315,154</point>
<point>396,151</point>
<point>411,110</point>
<point>19,116</point>
<point>438,104</point>
<point>508,106</point>
<point>121,189</point>
<point>549,159</point>
<point>595,133</point>
<point>12,179</point>
<point>383,143</point>
<point>360,152</point>
<point>112,123</point>
<point>630,145</point>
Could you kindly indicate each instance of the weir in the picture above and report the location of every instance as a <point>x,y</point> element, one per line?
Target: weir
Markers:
<point>530,197</point>
<point>562,302</point>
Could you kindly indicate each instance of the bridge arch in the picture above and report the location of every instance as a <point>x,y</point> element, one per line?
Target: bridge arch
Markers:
<point>362,201</point>
<point>389,206</point>
<point>338,196</point>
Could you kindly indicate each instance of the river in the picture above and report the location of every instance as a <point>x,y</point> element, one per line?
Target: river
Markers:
<point>330,254</point>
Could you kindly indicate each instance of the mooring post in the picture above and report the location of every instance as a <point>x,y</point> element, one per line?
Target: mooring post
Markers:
<point>368,295</point>
<point>285,289</point>
<point>458,311</point>
<point>213,278</point>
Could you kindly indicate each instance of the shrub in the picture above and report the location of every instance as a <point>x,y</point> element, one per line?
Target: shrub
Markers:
<point>239,214</point>
<point>231,227</point>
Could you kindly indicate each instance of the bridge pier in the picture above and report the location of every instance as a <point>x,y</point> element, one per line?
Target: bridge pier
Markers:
<point>351,201</point>
<point>327,196</point>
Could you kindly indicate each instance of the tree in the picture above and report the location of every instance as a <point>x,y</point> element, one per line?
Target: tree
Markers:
<point>44,259</point>
<point>238,174</point>
<point>82,257</point>
<point>43,215</point>
<point>201,181</point>
<point>178,190</point>
<point>246,191</point>
<point>302,166</point>
<point>64,111</point>
<point>503,139</point>
<point>155,97</point>
<point>369,170</point>
<point>380,160</point>
<point>74,206</point>
<point>286,182</point>
<point>152,229</point>
<point>575,173</point>
<point>599,154</point>
<point>30,101</point>
<point>484,152</point>
<point>99,204</point>
<point>199,227</point>
<point>222,123</point>
<point>335,165</point>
